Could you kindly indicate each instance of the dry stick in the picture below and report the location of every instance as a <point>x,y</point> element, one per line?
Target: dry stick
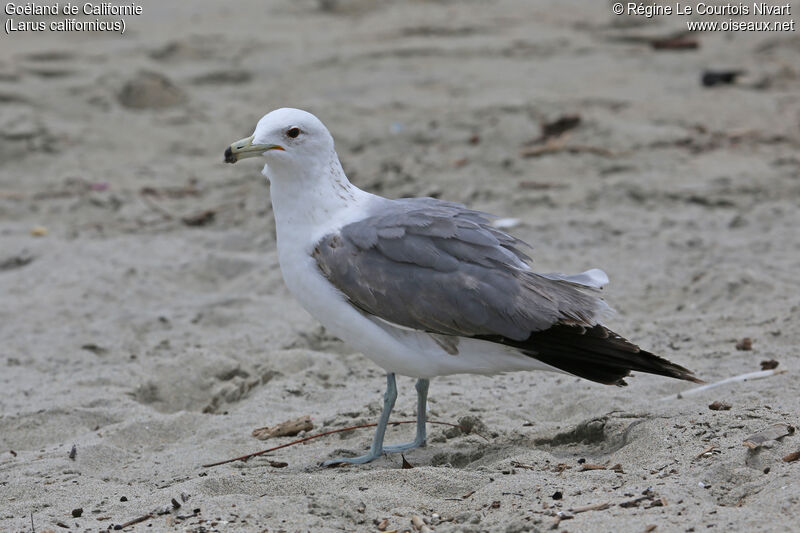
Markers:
<point>589,466</point>
<point>742,377</point>
<point>710,448</point>
<point>262,452</point>
<point>592,507</point>
<point>794,456</point>
<point>134,521</point>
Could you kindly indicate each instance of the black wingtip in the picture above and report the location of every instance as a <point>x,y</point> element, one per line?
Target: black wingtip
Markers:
<point>595,353</point>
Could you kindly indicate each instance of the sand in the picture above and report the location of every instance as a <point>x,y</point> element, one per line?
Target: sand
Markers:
<point>144,322</point>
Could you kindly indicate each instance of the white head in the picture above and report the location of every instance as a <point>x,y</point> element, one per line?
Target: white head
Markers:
<point>289,139</point>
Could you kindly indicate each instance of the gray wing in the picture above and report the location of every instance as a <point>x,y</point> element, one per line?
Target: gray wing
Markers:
<point>439,267</point>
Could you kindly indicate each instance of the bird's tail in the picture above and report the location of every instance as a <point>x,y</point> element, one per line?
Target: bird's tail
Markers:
<point>594,353</point>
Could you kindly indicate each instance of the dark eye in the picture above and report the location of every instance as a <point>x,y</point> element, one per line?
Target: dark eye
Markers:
<point>293,132</point>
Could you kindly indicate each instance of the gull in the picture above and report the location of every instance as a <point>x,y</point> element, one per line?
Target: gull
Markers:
<point>424,287</point>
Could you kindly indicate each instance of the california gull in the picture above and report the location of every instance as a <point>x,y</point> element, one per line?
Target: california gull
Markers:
<point>424,287</point>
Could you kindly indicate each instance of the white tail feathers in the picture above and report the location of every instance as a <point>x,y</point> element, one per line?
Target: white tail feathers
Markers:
<point>594,278</point>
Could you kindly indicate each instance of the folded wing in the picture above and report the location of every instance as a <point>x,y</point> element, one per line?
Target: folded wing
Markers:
<point>441,268</point>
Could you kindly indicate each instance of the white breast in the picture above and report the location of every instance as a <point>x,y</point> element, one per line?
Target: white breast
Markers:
<point>328,305</point>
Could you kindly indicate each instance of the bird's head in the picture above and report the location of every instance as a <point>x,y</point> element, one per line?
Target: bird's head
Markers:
<point>284,137</point>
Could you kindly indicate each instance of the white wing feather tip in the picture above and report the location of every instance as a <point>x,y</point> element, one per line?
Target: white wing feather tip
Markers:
<point>597,277</point>
<point>593,278</point>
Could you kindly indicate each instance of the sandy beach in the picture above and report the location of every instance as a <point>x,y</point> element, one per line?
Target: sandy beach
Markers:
<point>145,329</point>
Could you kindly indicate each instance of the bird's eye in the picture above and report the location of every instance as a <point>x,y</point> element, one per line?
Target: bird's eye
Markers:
<point>293,132</point>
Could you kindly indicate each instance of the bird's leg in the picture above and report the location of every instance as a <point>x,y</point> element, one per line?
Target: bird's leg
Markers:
<point>419,440</point>
<point>376,450</point>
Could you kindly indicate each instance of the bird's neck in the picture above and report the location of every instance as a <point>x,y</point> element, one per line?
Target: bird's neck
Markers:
<point>310,202</point>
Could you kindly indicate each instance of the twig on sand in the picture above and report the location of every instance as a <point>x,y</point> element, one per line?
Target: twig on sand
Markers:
<point>560,516</point>
<point>589,466</point>
<point>709,450</point>
<point>290,428</point>
<point>133,522</point>
<point>794,456</point>
<point>735,379</point>
<point>341,430</point>
<point>592,507</point>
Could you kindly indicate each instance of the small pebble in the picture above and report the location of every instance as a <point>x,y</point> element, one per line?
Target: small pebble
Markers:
<point>746,344</point>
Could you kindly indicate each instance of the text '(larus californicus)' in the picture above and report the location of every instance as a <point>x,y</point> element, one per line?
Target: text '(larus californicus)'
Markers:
<point>424,287</point>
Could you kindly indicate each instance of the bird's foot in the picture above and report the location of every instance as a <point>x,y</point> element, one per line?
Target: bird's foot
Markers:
<point>361,459</point>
